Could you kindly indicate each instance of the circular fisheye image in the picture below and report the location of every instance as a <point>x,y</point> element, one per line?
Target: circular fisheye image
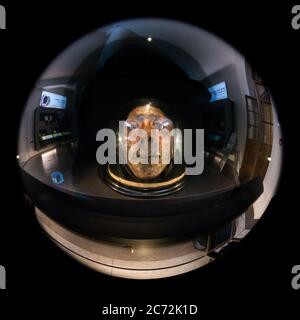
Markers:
<point>148,148</point>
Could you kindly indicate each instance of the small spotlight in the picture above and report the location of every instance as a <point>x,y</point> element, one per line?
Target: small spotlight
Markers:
<point>269,159</point>
<point>18,157</point>
<point>149,39</point>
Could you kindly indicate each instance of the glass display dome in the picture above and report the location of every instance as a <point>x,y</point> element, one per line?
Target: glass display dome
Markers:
<point>147,147</point>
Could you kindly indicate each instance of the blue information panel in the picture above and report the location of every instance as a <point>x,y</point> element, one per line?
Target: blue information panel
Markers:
<point>53,100</point>
<point>218,91</point>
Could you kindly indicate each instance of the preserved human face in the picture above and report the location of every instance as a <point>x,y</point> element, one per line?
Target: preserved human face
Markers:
<point>148,117</point>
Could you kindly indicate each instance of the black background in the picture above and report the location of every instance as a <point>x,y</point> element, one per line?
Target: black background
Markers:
<point>41,280</point>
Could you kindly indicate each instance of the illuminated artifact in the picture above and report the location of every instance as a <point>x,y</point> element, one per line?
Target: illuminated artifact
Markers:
<point>149,118</point>
<point>150,159</point>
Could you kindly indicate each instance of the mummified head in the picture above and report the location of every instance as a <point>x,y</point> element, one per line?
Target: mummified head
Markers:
<point>154,149</point>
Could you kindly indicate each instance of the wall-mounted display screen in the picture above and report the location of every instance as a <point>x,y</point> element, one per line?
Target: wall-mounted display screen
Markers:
<point>218,91</point>
<point>53,100</point>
